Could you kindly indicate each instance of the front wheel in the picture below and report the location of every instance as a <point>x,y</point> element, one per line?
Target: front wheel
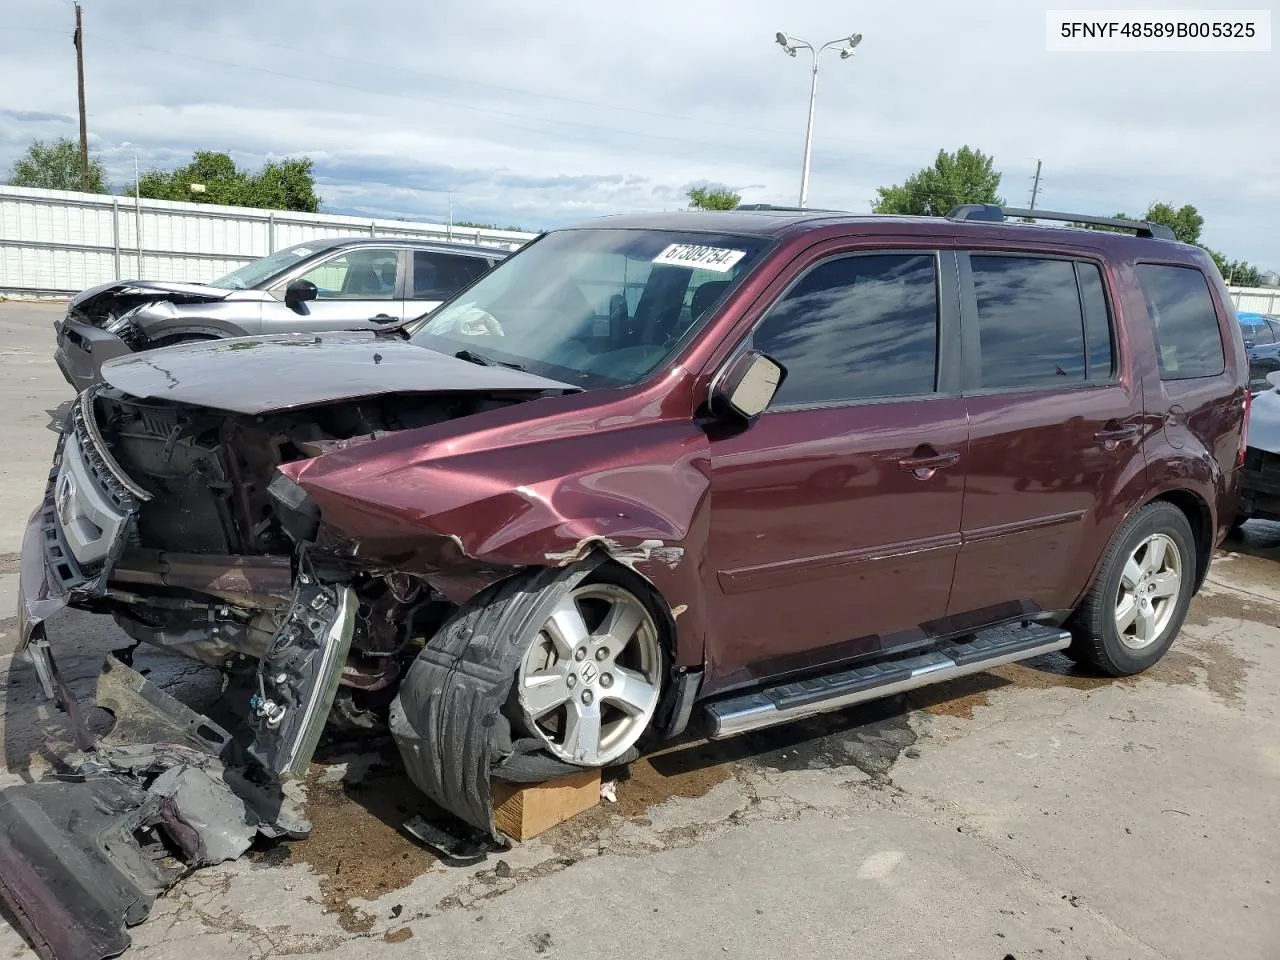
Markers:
<point>1138,601</point>
<point>590,681</point>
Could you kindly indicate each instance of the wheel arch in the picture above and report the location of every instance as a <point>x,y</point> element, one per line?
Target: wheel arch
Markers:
<point>1200,517</point>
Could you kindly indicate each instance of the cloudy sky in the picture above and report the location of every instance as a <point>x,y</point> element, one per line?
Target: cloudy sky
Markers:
<point>538,114</point>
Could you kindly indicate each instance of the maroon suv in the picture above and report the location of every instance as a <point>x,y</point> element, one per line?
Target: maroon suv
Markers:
<point>756,465</point>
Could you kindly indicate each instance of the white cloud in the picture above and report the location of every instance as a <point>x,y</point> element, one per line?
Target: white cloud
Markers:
<point>540,114</point>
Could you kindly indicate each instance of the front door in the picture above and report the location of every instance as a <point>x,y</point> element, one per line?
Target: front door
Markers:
<point>835,517</point>
<point>358,289</point>
<point>1054,433</point>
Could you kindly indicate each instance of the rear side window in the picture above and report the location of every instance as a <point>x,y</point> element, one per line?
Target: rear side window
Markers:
<point>1188,341</point>
<point>1099,352</point>
<point>1030,322</point>
<point>438,276</point>
<point>856,328</point>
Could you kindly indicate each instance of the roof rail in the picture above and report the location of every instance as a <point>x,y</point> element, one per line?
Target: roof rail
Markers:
<point>770,206</point>
<point>994,213</point>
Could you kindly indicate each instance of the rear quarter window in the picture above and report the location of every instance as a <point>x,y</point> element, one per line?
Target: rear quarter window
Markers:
<point>1188,340</point>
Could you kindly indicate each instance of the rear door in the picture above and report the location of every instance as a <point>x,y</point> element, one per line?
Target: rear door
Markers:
<point>358,288</point>
<point>835,517</point>
<point>436,276</point>
<point>1055,413</point>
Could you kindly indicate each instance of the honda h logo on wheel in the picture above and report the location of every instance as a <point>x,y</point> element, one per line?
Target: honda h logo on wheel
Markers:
<point>589,673</point>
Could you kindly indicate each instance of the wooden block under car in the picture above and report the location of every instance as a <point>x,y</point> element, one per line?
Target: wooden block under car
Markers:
<point>524,810</point>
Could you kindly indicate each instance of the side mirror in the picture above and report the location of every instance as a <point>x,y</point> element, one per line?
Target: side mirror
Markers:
<point>747,386</point>
<point>299,292</point>
<point>1273,378</point>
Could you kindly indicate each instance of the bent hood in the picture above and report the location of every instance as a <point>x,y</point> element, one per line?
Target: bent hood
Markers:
<point>254,375</point>
<point>106,300</point>
<point>150,290</point>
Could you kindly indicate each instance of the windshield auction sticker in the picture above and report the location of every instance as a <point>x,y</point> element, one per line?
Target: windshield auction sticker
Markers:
<point>1158,31</point>
<point>719,259</point>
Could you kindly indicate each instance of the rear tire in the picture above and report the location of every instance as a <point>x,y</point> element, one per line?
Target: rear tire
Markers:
<point>1138,601</point>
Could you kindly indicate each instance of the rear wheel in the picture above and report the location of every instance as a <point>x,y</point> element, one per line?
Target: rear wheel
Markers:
<point>1137,604</point>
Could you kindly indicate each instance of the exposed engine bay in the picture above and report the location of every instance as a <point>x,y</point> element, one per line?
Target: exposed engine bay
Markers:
<point>220,562</point>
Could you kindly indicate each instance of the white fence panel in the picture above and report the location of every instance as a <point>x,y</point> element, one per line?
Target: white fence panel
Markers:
<point>1256,299</point>
<point>58,242</point>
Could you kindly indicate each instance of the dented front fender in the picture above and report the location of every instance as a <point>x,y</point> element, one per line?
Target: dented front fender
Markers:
<point>467,512</point>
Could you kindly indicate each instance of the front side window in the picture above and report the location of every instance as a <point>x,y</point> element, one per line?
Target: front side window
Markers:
<point>1188,341</point>
<point>1030,324</point>
<point>594,307</point>
<point>356,275</point>
<point>856,328</point>
<point>438,276</point>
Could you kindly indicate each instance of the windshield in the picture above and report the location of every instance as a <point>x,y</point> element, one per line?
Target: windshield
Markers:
<point>592,307</point>
<point>253,274</point>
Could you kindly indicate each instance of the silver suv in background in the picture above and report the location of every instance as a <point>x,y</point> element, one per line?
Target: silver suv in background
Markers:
<point>365,283</point>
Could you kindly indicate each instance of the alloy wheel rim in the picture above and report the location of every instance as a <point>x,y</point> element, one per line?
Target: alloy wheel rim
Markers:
<point>589,684</point>
<point>1150,584</point>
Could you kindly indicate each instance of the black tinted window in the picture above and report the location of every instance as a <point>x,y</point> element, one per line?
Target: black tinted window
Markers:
<point>1029,322</point>
<point>1097,322</point>
<point>438,276</point>
<point>856,328</point>
<point>1187,337</point>
<point>1256,330</point>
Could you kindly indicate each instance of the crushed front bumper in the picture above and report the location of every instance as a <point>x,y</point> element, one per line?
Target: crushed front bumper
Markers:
<point>83,349</point>
<point>1260,485</point>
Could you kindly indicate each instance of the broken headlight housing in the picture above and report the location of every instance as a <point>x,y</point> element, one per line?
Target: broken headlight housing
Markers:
<point>122,322</point>
<point>298,513</point>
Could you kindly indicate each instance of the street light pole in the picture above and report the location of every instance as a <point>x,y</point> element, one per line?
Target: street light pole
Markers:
<point>791,45</point>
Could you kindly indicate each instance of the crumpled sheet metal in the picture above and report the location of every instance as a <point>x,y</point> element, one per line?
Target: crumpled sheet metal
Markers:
<point>83,857</point>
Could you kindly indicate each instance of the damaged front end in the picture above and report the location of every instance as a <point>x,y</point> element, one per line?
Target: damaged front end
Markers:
<point>175,520</point>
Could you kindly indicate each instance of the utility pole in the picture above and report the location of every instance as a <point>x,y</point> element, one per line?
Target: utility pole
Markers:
<point>84,126</point>
<point>1035,187</point>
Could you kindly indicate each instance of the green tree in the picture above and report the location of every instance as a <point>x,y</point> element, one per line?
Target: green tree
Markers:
<point>56,166</point>
<point>283,185</point>
<point>1185,222</point>
<point>713,198</point>
<point>965,176</point>
<point>1237,273</point>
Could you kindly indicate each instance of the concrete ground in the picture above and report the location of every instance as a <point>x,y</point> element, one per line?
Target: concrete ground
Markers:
<point>1031,812</point>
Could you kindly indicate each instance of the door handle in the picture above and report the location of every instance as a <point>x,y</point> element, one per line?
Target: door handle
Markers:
<point>1112,437</point>
<point>382,318</point>
<point>924,466</point>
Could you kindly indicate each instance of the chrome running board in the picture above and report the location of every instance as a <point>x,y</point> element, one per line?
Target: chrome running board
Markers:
<point>835,691</point>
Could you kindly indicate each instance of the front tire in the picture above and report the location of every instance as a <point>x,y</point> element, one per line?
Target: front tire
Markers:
<point>590,681</point>
<point>1138,602</point>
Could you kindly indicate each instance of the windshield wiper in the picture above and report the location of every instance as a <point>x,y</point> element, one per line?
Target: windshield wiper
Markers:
<point>480,359</point>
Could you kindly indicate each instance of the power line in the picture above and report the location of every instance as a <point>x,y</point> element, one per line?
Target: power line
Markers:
<point>313,54</point>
